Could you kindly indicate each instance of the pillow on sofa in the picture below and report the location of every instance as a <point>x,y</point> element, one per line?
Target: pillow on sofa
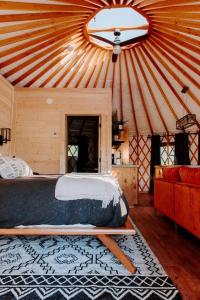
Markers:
<point>172,174</point>
<point>190,175</point>
<point>13,167</point>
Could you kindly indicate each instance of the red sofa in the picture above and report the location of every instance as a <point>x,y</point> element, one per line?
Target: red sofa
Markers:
<point>177,195</point>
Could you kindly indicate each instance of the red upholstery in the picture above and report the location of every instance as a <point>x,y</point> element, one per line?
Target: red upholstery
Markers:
<point>190,175</point>
<point>184,207</point>
<point>171,174</point>
<point>164,197</point>
<point>180,201</point>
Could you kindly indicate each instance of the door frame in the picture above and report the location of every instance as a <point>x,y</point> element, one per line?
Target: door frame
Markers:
<point>66,138</point>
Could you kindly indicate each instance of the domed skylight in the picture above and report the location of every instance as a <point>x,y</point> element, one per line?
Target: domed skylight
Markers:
<point>103,24</point>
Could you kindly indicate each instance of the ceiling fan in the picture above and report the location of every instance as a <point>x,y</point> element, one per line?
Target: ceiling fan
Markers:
<point>117,44</point>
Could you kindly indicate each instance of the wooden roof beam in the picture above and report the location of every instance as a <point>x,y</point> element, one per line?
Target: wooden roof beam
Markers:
<point>38,65</point>
<point>176,15</point>
<point>31,60</point>
<point>172,8</point>
<point>71,64</point>
<point>121,109</point>
<point>179,36</point>
<point>93,68</point>
<point>178,22</point>
<point>24,6</point>
<point>33,42</point>
<point>175,27</point>
<point>77,65</point>
<point>149,51</point>
<point>176,65</point>
<point>131,94</point>
<point>100,69</point>
<point>85,3</point>
<point>39,16</point>
<point>141,94</point>
<point>176,47</point>
<point>166,46</point>
<point>146,62</point>
<point>178,42</point>
<point>60,66</point>
<point>40,24</point>
<point>109,59</point>
<point>113,78</point>
<point>85,66</point>
<point>58,69</point>
<point>35,49</point>
<point>79,44</point>
<point>163,3</point>
<point>150,90</point>
<point>36,33</point>
<point>112,29</point>
<point>55,58</point>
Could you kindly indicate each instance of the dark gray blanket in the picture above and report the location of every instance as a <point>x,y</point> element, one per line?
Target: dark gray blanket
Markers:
<point>31,201</point>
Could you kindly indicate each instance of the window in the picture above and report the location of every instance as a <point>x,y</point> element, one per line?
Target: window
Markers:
<point>167,153</point>
<point>129,21</point>
<point>73,150</point>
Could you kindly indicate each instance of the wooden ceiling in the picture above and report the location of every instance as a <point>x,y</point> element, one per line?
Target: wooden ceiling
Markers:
<point>146,80</point>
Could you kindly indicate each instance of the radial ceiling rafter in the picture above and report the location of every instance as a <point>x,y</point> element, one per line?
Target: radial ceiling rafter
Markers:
<point>44,44</point>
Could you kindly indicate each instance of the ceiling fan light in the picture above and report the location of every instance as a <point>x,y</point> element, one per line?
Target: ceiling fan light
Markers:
<point>117,49</point>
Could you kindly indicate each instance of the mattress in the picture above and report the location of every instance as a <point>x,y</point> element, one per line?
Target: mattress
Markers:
<point>31,201</point>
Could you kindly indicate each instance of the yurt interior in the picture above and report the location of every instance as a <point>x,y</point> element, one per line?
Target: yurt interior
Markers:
<point>99,149</point>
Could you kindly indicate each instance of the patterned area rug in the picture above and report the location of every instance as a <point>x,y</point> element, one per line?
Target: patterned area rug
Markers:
<point>79,268</point>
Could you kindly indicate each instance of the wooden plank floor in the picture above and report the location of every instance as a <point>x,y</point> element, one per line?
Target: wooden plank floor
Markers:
<point>178,252</point>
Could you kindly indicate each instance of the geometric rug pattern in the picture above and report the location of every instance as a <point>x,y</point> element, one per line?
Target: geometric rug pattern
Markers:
<point>79,268</point>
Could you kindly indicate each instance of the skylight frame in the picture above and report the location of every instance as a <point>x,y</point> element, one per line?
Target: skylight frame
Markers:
<point>108,47</point>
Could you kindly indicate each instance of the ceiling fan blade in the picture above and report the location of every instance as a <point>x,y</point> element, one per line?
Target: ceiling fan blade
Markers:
<point>114,57</point>
<point>102,39</point>
<point>135,40</point>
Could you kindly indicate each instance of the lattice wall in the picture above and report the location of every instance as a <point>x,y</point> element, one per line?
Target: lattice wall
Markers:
<point>193,139</point>
<point>140,154</point>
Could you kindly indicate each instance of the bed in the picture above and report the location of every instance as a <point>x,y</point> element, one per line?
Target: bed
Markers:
<point>29,206</point>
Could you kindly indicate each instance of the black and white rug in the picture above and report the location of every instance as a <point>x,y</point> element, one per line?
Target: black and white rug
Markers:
<point>79,268</point>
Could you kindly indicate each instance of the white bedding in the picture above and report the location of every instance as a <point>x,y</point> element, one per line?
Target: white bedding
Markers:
<point>103,187</point>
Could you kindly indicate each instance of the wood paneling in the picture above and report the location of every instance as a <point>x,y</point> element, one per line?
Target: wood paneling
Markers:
<point>6,108</point>
<point>127,175</point>
<point>40,127</point>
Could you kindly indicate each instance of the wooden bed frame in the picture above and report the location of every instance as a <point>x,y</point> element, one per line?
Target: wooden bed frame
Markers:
<point>102,233</point>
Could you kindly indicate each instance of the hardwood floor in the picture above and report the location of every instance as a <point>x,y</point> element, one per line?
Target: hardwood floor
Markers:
<point>178,251</point>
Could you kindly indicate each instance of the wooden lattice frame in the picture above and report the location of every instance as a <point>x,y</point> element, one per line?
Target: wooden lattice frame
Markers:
<point>139,156</point>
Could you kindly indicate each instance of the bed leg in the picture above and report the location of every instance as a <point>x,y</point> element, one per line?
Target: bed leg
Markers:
<point>116,251</point>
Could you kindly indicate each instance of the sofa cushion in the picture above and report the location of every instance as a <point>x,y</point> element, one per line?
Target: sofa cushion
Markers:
<point>171,174</point>
<point>190,175</point>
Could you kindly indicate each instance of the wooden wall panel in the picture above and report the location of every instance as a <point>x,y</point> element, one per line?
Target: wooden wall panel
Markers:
<point>6,109</point>
<point>40,127</point>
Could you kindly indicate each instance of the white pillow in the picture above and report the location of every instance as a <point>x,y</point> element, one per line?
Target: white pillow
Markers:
<point>13,167</point>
